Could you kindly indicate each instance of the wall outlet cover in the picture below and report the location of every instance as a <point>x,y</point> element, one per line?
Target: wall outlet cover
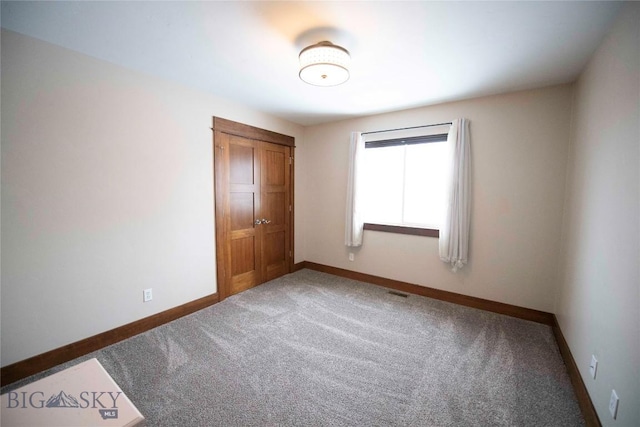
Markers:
<point>147,295</point>
<point>613,404</point>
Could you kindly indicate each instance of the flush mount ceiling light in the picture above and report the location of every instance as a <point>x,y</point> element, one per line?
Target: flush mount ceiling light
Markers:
<point>324,64</point>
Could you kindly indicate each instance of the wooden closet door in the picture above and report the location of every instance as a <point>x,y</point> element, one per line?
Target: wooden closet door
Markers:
<point>275,210</point>
<point>253,205</point>
<point>244,262</point>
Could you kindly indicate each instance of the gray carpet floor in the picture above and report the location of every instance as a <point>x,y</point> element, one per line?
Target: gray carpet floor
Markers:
<point>312,349</point>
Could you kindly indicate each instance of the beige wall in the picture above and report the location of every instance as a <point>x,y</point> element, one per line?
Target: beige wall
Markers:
<point>106,190</point>
<point>519,147</point>
<point>598,304</point>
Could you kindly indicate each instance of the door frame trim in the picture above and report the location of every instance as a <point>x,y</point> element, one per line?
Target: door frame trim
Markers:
<point>225,126</point>
<point>250,132</point>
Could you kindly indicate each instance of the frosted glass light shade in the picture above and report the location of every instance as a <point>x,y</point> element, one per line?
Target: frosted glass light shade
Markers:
<point>324,64</point>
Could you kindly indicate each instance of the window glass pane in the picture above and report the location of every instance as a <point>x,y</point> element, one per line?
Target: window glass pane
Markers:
<point>425,184</point>
<point>405,189</point>
<point>383,174</point>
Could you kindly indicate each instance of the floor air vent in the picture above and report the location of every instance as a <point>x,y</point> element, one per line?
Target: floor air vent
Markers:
<point>398,294</point>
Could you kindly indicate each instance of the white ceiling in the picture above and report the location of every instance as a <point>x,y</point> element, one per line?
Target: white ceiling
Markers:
<point>404,54</point>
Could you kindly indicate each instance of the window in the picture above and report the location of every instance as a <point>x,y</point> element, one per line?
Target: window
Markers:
<point>403,189</point>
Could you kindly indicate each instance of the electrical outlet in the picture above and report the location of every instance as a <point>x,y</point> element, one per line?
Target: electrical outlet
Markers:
<point>593,367</point>
<point>147,295</point>
<point>352,257</point>
<point>613,404</point>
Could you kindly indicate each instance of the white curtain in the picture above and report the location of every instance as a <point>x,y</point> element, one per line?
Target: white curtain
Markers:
<point>454,233</point>
<point>354,222</point>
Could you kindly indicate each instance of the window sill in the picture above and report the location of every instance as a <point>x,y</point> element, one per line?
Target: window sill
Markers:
<point>414,231</point>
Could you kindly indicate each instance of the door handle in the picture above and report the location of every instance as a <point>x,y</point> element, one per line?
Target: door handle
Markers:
<point>265,221</point>
<point>258,222</point>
